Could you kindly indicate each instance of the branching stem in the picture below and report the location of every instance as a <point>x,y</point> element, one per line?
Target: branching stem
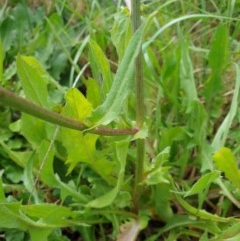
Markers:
<point>16,102</point>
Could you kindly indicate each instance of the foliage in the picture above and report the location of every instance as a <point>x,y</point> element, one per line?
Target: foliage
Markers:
<point>78,60</point>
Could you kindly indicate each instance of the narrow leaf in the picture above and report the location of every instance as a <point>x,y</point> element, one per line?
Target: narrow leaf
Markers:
<point>121,32</point>
<point>1,61</point>
<point>102,70</point>
<point>187,80</point>
<point>217,60</point>
<point>203,183</point>
<point>202,213</point>
<point>2,195</point>
<point>122,85</point>
<point>222,133</point>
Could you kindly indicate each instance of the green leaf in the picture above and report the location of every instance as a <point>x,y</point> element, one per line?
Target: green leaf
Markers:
<point>20,158</point>
<point>46,156</point>
<point>177,222</point>
<point>49,214</point>
<point>34,79</point>
<point>169,135</point>
<point>12,218</point>
<point>46,217</point>
<point>121,32</point>
<point>77,106</point>
<point>93,92</point>
<point>229,234</point>
<point>162,197</point>
<point>202,213</point>
<point>203,183</point>
<point>1,62</point>
<point>33,129</point>
<point>79,147</point>
<point>219,49</point>
<point>2,195</point>
<point>28,177</point>
<point>223,130</point>
<point>108,198</point>
<point>122,85</point>
<point>141,134</point>
<point>217,60</point>
<point>51,179</point>
<point>187,80</point>
<point>101,68</point>
<point>157,172</point>
<point>227,163</point>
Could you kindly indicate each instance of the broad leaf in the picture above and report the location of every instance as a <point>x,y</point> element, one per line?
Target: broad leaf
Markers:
<point>33,79</point>
<point>93,92</point>
<point>79,147</point>
<point>12,218</point>
<point>33,129</point>
<point>227,163</point>
<point>77,106</point>
<point>49,214</point>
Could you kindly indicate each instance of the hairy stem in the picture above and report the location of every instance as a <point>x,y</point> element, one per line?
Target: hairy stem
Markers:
<point>136,21</point>
<point>16,102</point>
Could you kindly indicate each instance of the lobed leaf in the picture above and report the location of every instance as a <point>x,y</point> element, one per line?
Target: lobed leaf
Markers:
<point>77,106</point>
<point>107,199</point>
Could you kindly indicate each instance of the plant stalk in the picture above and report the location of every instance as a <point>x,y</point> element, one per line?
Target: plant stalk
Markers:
<point>16,102</point>
<point>136,21</point>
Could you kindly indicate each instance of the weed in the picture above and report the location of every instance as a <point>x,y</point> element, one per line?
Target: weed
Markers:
<point>122,134</point>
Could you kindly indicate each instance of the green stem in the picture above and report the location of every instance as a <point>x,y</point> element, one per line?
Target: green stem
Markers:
<point>16,102</point>
<point>136,21</point>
